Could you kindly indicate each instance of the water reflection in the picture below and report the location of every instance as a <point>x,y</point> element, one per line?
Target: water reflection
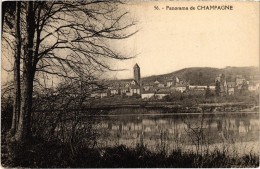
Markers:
<point>174,129</point>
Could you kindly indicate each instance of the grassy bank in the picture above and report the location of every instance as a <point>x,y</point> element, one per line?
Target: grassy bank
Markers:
<point>182,103</point>
<point>185,99</point>
<point>39,153</point>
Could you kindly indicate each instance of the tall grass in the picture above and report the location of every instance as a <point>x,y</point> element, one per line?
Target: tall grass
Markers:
<point>53,154</point>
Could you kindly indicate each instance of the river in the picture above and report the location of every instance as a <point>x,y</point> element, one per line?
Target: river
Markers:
<point>240,131</point>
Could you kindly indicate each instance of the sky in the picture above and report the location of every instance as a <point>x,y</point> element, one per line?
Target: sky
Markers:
<point>170,40</point>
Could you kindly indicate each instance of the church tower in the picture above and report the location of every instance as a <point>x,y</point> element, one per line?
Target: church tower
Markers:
<point>137,76</point>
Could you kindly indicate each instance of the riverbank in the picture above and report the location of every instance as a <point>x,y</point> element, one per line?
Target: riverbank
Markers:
<point>241,103</point>
<point>162,108</point>
<point>171,108</point>
<point>44,154</point>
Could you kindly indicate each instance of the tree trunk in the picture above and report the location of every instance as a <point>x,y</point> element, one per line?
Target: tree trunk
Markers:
<point>24,126</point>
<point>17,81</point>
<point>4,7</point>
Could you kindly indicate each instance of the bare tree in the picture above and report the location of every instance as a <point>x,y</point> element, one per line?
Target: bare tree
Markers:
<point>17,81</point>
<point>69,40</point>
<point>11,19</point>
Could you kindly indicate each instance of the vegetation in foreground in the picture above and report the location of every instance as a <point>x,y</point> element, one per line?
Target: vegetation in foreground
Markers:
<point>53,154</point>
<point>73,147</point>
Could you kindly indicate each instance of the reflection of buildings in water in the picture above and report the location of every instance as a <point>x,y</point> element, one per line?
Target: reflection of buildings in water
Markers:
<point>254,124</point>
<point>240,125</point>
<point>115,127</point>
<point>243,127</point>
<point>147,129</point>
<point>213,124</point>
<point>104,125</point>
<point>110,126</point>
<point>237,122</point>
<point>152,129</point>
<point>219,125</point>
<point>161,121</point>
<point>148,122</point>
<point>120,127</point>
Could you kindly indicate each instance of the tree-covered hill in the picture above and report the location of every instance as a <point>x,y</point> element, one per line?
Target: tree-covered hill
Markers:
<point>206,75</point>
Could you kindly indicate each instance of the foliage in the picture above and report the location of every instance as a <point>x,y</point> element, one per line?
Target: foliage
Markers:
<point>40,153</point>
<point>207,93</point>
<point>6,114</point>
<point>207,75</point>
<point>217,88</point>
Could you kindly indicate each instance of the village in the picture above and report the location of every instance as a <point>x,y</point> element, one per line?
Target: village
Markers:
<point>160,89</point>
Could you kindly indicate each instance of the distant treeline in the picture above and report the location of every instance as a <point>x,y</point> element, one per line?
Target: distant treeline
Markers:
<point>207,75</point>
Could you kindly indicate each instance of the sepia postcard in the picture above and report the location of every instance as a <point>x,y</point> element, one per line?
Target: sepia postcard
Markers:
<point>130,84</point>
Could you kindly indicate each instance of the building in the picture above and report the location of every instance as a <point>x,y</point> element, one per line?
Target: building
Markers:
<point>135,89</point>
<point>231,88</point>
<point>100,93</point>
<point>147,87</point>
<point>161,87</point>
<point>253,86</point>
<point>240,81</point>
<point>173,81</point>
<point>147,94</point>
<point>137,74</point>
<point>95,95</point>
<point>104,94</point>
<point>160,94</point>
<point>169,83</point>
<point>115,91</point>
<point>179,87</point>
<point>156,83</point>
<point>124,90</point>
<point>192,87</point>
<point>220,78</point>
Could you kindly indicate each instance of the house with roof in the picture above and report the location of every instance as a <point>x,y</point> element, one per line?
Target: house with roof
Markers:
<point>134,82</point>
<point>124,90</point>
<point>161,85</point>
<point>169,83</point>
<point>253,86</point>
<point>179,87</point>
<point>176,80</point>
<point>173,81</point>
<point>240,81</point>
<point>95,95</point>
<point>212,87</point>
<point>115,91</point>
<point>231,88</point>
<point>129,88</point>
<point>135,89</point>
<point>197,87</point>
<point>159,94</point>
<point>147,94</point>
<point>147,87</point>
<point>156,82</point>
<point>104,93</point>
<point>100,93</point>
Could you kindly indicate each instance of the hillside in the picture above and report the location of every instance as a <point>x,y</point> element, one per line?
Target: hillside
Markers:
<point>206,75</point>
